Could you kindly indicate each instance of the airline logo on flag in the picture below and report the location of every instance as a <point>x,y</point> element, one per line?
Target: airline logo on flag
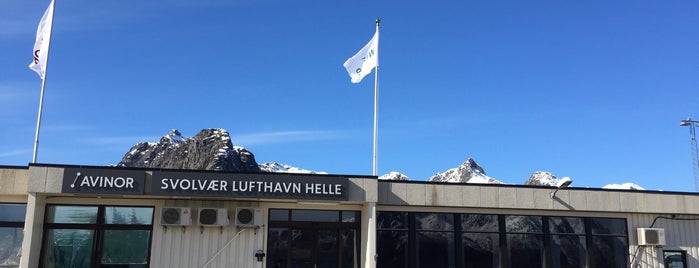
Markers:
<point>41,46</point>
<point>361,64</point>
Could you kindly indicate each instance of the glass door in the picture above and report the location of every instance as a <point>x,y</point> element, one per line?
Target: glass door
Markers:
<point>314,248</point>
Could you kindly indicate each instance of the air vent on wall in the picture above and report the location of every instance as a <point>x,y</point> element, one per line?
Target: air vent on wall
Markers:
<point>248,217</point>
<point>213,217</point>
<point>175,216</point>
<point>651,236</point>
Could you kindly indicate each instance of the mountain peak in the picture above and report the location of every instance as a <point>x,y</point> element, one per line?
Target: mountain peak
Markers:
<point>394,176</point>
<point>210,149</point>
<point>468,172</point>
<point>282,168</point>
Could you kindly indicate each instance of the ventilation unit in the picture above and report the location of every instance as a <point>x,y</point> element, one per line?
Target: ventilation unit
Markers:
<point>213,217</point>
<point>651,236</point>
<point>248,217</point>
<point>175,216</point>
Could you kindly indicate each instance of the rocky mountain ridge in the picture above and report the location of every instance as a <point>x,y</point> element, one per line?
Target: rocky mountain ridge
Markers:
<point>212,149</point>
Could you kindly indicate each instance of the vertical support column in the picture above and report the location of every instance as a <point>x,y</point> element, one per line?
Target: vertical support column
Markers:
<point>33,231</point>
<point>369,235</point>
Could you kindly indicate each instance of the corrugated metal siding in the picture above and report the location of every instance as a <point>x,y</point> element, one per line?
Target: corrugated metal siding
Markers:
<point>681,233</point>
<point>193,246</point>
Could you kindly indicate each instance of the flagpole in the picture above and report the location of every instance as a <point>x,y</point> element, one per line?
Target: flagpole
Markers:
<point>43,85</point>
<point>376,102</point>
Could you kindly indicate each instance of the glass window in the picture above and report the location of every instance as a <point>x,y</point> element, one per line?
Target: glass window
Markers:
<point>435,249</point>
<point>11,235</point>
<point>128,215</point>
<point>675,259</point>
<point>68,248</point>
<point>278,214</point>
<point>10,246</point>
<point>12,212</point>
<point>72,232</point>
<point>350,216</point>
<point>71,214</point>
<point>608,226</point>
<point>523,224</point>
<point>526,250</point>
<point>392,220</point>
<point>277,247</point>
<point>566,225</point>
<point>479,223</point>
<point>348,248</point>
<point>126,247</point>
<point>608,252</point>
<point>315,215</point>
<point>392,248</point>
<point>481,250</point>
<point>568,251</point>
<point>434,221</point>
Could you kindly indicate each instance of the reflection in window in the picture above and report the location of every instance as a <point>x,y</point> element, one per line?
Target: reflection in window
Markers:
<point>523,224</point>
<point>68,248</point>
<point>526,250</point>
<point>277,246</point>
<point>435,249</point>
<point>71,214</point>
<point>11,224</point>
<point>72,231</point>
<point>481,250</point>
<point>675,259</point>
<point>128,215</point>
<point>568,251</point>
<point>608,252</point>
<point>479,223</point>
<point>434,221</point>
<point>392,239</point>
<point>607,226</point>
<point>392,220</point>
<point>566,225</point>
<point>126,247</point>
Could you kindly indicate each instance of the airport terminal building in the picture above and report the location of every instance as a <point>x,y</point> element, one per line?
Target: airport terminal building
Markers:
<point>86,216</point>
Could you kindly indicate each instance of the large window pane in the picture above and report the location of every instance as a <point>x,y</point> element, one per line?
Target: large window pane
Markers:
<point>479,223</point>
<point>315,215</point>
<point>68,248</point>
<point>434,221</point>
<point>349,249</point>
<point>71,214</point>
<point>568,251</point>
<point>277,246</point>
<point>608,226</point>
<point>350,216</point>
<point>526,250</point>
<point>608,252</point>
<point>12,212</point>
<point>126,247</point>
<point>392,248</point>
<point>392,220</point>
<point>128,215</point>
<point>10,246</point>
<point>435,249</point>
<point>481,250</point>
<point>278,214</point>
<point>566,225</point>
<point>326,251</point>
<point>302,248</point>
<point>523,224</point>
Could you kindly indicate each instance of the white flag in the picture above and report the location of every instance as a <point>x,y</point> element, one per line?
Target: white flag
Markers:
<point>41,46</point>
<point>361,64</point>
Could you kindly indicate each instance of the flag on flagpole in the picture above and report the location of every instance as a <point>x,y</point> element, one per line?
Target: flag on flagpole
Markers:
<point>361,64</point>
<point>41,46</point>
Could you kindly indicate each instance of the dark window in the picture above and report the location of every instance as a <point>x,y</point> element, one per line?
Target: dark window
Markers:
<point>418,239</point>
<point>122,233</point>
<point>608,242</point>
<point>480,240</point>
<point>675,259</point>
<point>11,225</point>
<point>313,238</point>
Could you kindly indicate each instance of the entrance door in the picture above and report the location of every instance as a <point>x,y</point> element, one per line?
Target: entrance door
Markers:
<point>313,248</point>
<point>300,242</point>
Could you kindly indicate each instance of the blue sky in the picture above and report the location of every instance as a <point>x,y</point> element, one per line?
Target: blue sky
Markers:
<point>591,90</point>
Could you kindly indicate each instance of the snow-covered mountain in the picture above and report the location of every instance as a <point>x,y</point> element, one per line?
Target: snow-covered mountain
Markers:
<point>394,176</point>
<point>468,172</point>
<point>210,149</point>
<point>623,186</point>
<point>545,178</point>
<point>283,168</point>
